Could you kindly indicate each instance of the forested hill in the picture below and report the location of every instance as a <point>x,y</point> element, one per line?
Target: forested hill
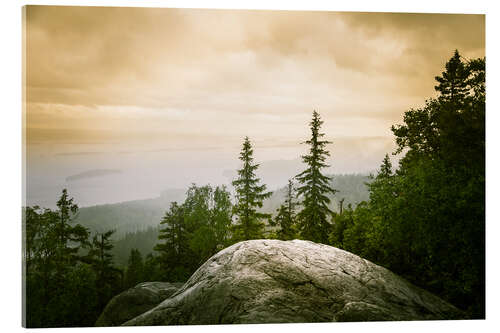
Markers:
<point>129,216</point>
<point>132,216</point>
<point>351,187</point>
<point>136,222</point>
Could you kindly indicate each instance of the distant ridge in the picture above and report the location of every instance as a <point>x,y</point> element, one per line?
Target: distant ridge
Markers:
<point>92,174</point>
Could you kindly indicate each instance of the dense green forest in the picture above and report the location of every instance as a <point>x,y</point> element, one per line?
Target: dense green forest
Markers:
<point>137,222</point>
<point>130,216</point>
<point>352,189</point>
<point>424,219</point>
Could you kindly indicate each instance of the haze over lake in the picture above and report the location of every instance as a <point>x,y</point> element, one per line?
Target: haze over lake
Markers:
<point>146,171</point>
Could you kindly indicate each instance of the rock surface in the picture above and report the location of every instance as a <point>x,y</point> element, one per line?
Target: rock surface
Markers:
<point>272,281</point>
<point>135,301</point>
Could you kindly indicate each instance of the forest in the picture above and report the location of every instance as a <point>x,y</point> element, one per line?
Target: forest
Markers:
<point>137,222</point>
<point>423,219</point>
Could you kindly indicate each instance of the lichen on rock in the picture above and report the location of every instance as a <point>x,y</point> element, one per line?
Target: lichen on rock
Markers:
<point>272,281</point>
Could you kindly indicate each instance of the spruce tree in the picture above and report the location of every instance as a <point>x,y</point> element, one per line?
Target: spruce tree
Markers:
<point>56,270</point>
<point>68,239</point>
<point>173,249</point>
<point>249,197</point>
<point>151,268</point>
<point>135,269</point>
<point>285,219</point>
<point>454,82</point>
<point>107,276</point>
<point>385,167</point>
<point>313,219</point>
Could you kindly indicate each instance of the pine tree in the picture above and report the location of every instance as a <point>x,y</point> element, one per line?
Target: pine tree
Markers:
<point>151,268</point>
<point>314,217</point>
<point>249,197</point>
<point>107,276</point>
<point>173,249</point>
<point>135,269</point>
<point>434,210</point>
<point>381,187</point>
<point>68,239</point>
<point>56,270</point>
<point>454,82</point>
<point>285,219</point>
<point>385,167</point>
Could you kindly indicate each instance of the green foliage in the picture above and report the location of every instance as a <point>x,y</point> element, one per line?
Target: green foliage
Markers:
<point>426,220</point>
<point>68,279</point>
<point>135,269</point>
<point>341,222</point>
<point>208,215</point>
<point>313,219</point>
<point>143,240</point>
<point>285,218</point>
<point>173,248</point>
<point>249,198</point>
<point>352,188</point>
<point>128,217</point>
<point>108,278</point>
<point>443,178</point>
<point>194,231</point>
<point>152,271</point>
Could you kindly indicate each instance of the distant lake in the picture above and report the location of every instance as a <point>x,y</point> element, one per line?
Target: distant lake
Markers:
<point>99,174</point>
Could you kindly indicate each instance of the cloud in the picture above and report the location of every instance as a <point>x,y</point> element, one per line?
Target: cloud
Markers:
<point>179,73</point>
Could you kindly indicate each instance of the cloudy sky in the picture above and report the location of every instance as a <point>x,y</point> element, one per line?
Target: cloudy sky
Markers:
<point>103,81</point>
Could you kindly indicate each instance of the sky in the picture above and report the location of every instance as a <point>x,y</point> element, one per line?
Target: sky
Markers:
<point>166,96</point>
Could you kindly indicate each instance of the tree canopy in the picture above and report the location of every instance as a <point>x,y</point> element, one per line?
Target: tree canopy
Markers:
<point>314,218</point>
<point>249,197</point>
<point>426,221</point>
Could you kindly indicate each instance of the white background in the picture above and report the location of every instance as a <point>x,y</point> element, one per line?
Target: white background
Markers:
<point>10,159</point>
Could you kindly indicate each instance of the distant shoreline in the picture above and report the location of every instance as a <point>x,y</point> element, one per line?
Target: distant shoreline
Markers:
<point>92,174</point>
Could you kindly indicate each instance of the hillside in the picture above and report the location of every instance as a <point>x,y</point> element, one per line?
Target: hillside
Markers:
<point>132,216</point>
<point>136,222</point>
<point>129,216</point>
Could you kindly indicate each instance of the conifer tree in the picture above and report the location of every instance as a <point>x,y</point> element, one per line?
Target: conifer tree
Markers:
<point>249,197</point>
<point>454,82</point>
<point>55,269</point>
<point>135,269</point>
<point>68,239</point>
<point>385,167</point>
<point>151,268</point>
<point>107,276</point>
<point>285,219</point>
<point>313,219</point>
<point>173,249</point>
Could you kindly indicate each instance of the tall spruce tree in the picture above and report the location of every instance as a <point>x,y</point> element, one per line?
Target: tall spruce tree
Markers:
<point>313,219</point>
<point>285,219</point>
<point>249,197</point>
<point>68,239</point>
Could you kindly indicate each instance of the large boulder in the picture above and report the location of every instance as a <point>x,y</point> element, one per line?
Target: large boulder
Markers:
<point>135,301</point>
<point>272,281</point>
